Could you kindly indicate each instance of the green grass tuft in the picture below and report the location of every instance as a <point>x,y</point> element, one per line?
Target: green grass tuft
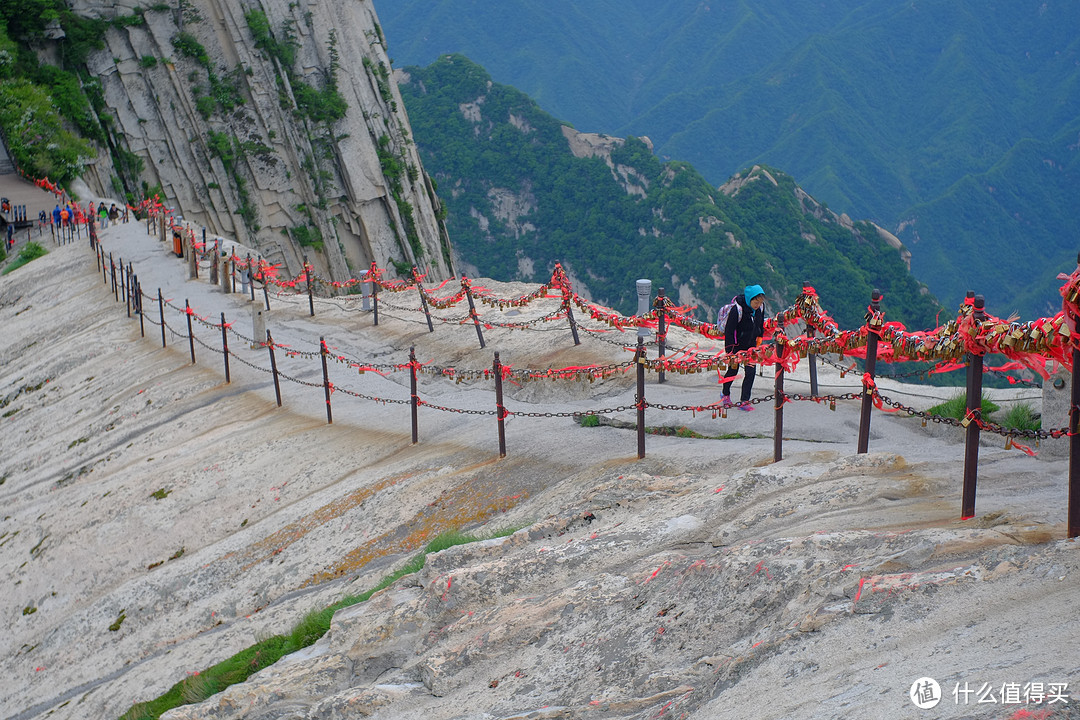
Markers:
<point>956,407</point>
<point>1022,416</point>
<point>30,251</point>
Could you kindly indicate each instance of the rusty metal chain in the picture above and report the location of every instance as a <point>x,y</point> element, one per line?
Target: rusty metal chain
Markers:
<point>573,414</point>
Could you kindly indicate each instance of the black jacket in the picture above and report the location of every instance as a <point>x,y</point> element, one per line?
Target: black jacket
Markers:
<point>744,326</point>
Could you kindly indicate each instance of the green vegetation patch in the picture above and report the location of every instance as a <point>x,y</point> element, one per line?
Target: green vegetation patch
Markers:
<point>1022,416</point>
<point>201,685</point>
<point>29,252</point>
<point>956,407</point>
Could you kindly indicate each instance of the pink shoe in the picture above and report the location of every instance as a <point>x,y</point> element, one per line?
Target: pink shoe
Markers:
<point>745,406</point>
<point>727,401</point>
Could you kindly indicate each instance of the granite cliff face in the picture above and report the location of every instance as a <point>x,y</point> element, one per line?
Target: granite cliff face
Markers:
<point>233,127</point>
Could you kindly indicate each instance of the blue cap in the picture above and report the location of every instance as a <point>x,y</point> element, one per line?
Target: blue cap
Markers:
<point>752,291</point>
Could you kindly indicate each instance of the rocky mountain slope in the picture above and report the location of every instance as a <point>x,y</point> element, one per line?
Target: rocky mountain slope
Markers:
<point>274,123</point>
<point>524,191</point>
<point>158,520</point>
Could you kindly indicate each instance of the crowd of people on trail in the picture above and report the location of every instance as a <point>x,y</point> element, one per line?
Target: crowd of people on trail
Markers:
<point>64,215</point>
<point>63,218</point>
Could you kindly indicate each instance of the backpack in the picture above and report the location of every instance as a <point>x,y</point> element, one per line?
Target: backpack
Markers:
<point>725,311</point>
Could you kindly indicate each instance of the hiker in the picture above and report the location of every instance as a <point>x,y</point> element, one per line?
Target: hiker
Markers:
<point>56,213</point>
<point>743,330</point>
<point>103,213</point>
<point>114,214</point>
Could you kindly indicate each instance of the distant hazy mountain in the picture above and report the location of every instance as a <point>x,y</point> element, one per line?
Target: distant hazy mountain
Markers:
<point>953,123</point>
<point>523,191</point>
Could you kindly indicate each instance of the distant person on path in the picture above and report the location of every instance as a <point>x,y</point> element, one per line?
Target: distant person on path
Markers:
<point>56,213</point>
<point>114,214</point>
<point>744,328</point>
<point>10,236</point>
<point>103,213</point>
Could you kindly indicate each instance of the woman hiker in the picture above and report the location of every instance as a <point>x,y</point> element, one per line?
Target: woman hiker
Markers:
<point>743,330</point>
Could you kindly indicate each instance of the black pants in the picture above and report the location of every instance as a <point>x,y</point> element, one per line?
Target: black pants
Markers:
<point>747,383</point>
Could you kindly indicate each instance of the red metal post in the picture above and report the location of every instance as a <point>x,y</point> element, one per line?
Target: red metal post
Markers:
<point>374,275</point>
<point>138,292</point>
<point>414,401</point>
<point>310,296</point>
<point>873,324</point>
<point>661,330</point>
<point>273,367</point>
<point>639,400</point>
<point>225,347</point>
<point>972,418</point>
<point>190,334</point>
<point>423,299</point>
<point>778,416</point>
<point>161,312</point>
<point>500,410</point>
<point>325,380</point>
<point>568,302</point>
<point>472,309</point>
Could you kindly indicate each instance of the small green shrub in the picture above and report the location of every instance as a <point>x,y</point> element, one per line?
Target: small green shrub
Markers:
<point>136,19</point>
<point>188,46</point>
<point>589,421</point>
<point>147,61</point>
<point>205,105</point>
<point>308,236</point>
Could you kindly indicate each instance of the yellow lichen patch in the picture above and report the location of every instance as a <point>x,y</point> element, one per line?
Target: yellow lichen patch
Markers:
<point>273,544</point>
<point>465,505</point>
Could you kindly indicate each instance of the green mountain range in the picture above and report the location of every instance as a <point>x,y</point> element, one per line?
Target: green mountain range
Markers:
<point>524,191</point>
<point>952,123</point>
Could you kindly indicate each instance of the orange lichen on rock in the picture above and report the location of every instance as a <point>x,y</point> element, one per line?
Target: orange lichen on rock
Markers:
<point>460,507</point>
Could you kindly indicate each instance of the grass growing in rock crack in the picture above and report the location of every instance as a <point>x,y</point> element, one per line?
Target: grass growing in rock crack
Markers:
<point>30,251</point>
<point>201,685</point>
<point>1022,416</point>
<point>956,407</point>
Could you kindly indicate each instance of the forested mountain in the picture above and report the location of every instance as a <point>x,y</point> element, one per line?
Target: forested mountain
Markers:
<point>954,124</point>
<point>524,191</point>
